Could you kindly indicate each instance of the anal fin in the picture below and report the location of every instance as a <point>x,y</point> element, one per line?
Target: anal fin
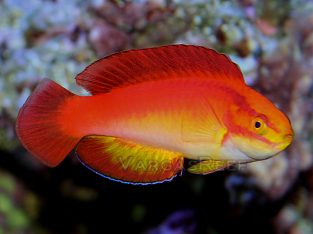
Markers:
<point>128,162</point>
<point>209,166</point>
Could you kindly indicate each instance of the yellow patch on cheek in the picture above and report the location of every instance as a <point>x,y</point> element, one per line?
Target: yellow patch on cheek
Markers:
<point>254,148</point>
<point>273,136</point>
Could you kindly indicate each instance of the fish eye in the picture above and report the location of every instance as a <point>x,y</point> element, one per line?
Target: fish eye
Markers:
<point>257,124</point>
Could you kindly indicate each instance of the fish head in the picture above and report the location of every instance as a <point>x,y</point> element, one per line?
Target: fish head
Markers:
<point>258,128</point>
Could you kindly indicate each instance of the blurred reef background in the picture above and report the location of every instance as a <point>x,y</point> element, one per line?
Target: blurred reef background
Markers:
<point>272,42</point>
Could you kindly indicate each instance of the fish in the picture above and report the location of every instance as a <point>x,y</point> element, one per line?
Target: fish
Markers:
<point>149,111</point>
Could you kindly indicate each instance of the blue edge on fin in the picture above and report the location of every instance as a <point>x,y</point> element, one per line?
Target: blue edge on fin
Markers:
<point>121,181</point>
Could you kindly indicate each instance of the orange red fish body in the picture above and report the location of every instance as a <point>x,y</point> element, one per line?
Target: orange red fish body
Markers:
<point>150,109</point>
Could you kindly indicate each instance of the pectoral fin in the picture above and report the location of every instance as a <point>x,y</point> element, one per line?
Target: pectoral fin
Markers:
<point>208,166</point>
<point>128,162</point>
<point>202,124</point>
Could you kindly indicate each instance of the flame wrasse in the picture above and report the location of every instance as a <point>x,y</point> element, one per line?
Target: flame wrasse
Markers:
<point>150,109</point>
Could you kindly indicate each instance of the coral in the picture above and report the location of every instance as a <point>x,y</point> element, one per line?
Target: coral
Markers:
<point>177,223</point>
<point>18,207</point>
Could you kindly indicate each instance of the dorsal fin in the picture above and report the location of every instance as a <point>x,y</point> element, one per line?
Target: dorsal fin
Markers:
<point>165,62</point>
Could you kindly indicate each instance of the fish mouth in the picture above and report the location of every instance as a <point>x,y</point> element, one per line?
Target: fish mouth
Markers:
<point>287,140</point>
<point>289,137</point>
<point>277,148</point>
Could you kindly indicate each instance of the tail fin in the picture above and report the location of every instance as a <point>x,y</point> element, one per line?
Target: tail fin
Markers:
<point>37,127</point>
